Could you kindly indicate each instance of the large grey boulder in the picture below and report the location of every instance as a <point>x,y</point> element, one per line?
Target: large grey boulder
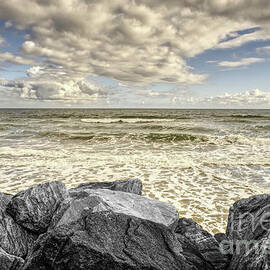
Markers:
<point>130,186</point>
<point>104,240</point>
<point>98,200</point>
<point>200,246</point>
<point>34,207</point>
<point>10,262</point>
<point>248,233</point>
<point>14,239</point>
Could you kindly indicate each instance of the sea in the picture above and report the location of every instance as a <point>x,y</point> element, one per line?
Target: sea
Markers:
<point>201,161</point>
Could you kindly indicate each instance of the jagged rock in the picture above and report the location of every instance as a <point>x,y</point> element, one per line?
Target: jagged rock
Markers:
<point>10,262</point>
<point>14,239</point>
<point>252,255</point>
<point>108,240</point>
<point>130,185</point>
<point>34,207</point>
<point>248,233</point>
<point>200,246</point>
<point>117,201</point>
<point>249,218</point>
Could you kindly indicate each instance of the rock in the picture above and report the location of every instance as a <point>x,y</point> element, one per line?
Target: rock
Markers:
<point>248,233</point>
<point>108,240</point>
<point>249,218</point>
<point>117,201</point>
<point>252,255</point>
<point>14,239</point>
<point>10,262</point>
<point>130,185</point>
<point>221,237</point>
<point>202,244</point>
<point>34,207</point>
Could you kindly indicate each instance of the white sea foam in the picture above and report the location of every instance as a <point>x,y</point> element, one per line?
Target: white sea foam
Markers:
<point>202,178</point>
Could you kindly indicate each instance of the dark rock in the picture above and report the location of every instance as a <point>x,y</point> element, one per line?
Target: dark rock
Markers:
<point>249,219</point>
<point>14,239</point>
<point>119,202</point>
<point>221,237</point>
<point>34,207</point>
<point>200,247</point>
<point>252,255</point>
<point>248,233</point>
<point>108,240</point>
<point>10,262</point>
<point>130,185</point>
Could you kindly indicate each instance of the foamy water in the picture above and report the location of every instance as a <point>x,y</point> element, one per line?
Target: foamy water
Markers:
<point>200,161</point>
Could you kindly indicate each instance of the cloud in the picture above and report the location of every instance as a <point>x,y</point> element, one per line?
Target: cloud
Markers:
<point>136,42</point>
<point>241,63</point>
<point>252,98</point>
<point>1,41</point>
<point>8,24</point>
<point>15,59</point>
<point>263,50</point>
<point>43,90</point>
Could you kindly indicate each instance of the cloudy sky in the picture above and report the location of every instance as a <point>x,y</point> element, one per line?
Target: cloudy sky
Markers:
<point>135,53</point>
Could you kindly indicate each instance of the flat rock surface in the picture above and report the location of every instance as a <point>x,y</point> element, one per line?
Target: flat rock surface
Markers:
<point>119,202</point>
<point>34,207</point>
<point>14,239</point>
<point>107,240</point>
<point>131,186</point>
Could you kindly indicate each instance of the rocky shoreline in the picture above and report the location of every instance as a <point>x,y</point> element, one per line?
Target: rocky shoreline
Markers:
<point>109,225</point>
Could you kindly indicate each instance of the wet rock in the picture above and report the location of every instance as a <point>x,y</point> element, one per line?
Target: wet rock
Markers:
<point>34,207</point>
<point>108,240</point>
<point>10,262</point>
<point>14,239</point>
<point>130,185</point>
<point>119,202</point>
<point>200,247</point>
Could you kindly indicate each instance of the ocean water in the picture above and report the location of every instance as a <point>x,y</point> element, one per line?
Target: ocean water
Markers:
<point>199,160</point>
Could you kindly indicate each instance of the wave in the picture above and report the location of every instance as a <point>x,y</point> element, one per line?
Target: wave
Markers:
<point>149,137</point>
<point>155,137</point>
<point>173,137</point>
<point>124,120</point>
<point>266,127</point>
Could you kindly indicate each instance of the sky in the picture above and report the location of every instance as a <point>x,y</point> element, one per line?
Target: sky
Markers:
<point>135,54</point>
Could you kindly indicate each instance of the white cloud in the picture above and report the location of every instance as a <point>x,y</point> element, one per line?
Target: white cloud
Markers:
<point>263,50</point>
<point>135,42</point>
<point>241,63</point>
<point>8,24</point>
<point>43,90</point>
<point>15,59</point>
<point>1,41</point>
<point>252,98</point>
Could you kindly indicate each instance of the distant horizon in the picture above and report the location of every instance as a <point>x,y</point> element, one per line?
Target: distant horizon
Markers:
<point>148,108</point>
